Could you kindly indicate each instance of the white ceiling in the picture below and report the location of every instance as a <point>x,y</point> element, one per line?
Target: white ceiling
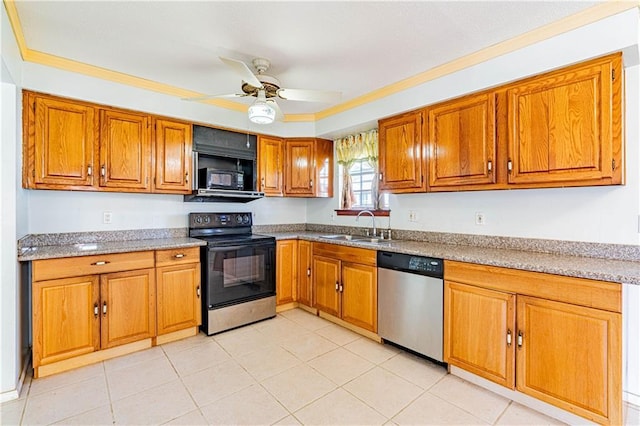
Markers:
<point>350,46</point>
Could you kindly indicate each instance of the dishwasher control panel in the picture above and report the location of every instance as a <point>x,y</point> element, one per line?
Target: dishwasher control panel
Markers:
<point>425,264</point>
<point>421,265</point>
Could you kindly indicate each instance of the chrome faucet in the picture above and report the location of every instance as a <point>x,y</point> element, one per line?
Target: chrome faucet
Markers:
<point>373,220</point>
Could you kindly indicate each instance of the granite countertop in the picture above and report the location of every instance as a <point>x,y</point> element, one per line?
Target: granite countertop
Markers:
<point>104,247</point>
<point>619,271</point>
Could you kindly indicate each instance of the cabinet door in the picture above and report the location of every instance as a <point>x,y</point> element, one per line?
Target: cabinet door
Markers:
<point>304,273</point>
<point>326,282</point>
<point>128,307</point>
<point>270,165</point>
<point>178,297</point>
<point>462,141</point>
<point>360,295</point>
<point>401,154</point>
<point>299,167</point>
<point>566,126</point>
<point>477,326</point>
<point>286,271</point>
<point>173,141</point>
<point>323,163</point>
<point>125,151</point>
<point>65,319</point>
<point>61,143</point>
<point>571,357</point>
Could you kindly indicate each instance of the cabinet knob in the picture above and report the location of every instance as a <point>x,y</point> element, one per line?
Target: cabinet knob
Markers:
<point>508,338</point>
<point>308,272</point>
<point>179,256</point>
<point>380,176</point>
<point>104,308</point>
<point>198,292</point>
<point>103,171</point>
<point>95,310</point>
<point>89,170</point>
<point>519,338</point>
<point>489,166</point>
<point>341,288</point>
<point>337,286</point>
<point>100,263</point>
<point>311,183</point>
<point>509,165</point>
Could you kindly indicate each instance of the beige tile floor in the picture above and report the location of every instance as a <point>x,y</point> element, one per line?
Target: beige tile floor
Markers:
<point>293,369</point>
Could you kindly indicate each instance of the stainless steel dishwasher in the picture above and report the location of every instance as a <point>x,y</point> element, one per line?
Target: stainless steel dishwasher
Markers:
<point>410,302</point>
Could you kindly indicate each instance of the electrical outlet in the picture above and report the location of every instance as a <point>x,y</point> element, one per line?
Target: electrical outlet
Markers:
<point>106,217</point>
<point>480,219</point>
<point>332,216</point>
<point>413,216</point>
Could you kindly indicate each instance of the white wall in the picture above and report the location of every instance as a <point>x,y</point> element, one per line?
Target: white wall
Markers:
<point>12,224</point>
<point>596,214</point>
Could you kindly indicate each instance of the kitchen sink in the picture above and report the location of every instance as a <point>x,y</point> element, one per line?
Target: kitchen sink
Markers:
<point>358,238</point>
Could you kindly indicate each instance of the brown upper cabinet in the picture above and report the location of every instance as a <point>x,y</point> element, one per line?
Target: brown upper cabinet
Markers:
<point>270,165</point>
<point>561,128</point>
<point>308,168</point>
<point>75,145</point>
<point>401,153</point>
<point>566,126</point>
<point>173,156</point>
<point>462,142</point>
<point>61,143</point>
<point>125,150</point>
<point>296,167</point>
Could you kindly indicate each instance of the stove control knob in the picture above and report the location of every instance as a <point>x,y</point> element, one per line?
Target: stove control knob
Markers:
<point>245,219</point>
<point>207,219</point>
<point>198,219</point>
<point>239,219</point>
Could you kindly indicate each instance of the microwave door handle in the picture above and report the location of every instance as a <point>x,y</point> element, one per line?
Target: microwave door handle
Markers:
<point>194,177</point>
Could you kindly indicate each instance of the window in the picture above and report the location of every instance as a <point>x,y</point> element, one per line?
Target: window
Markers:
<point>362,175</point>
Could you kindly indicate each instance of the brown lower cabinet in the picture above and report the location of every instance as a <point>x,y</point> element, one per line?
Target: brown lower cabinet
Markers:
<point>305,293</point>
<point>286,271</point>
<point>345,284</point>
<point>557,339</point>
<point>88,304</point>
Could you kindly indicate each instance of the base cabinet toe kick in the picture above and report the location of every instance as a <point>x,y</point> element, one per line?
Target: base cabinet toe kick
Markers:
<point>557,339</point>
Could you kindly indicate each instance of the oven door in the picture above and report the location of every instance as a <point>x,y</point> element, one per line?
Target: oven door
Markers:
<point>237,273</point>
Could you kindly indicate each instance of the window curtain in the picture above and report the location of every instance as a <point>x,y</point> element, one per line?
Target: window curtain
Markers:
<point>355,147</point>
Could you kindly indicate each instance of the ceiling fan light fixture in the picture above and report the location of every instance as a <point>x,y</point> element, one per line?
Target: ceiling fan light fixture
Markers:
<point>260,112</point>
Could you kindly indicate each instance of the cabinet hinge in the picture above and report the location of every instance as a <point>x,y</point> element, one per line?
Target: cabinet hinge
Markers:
<point>613,75</point>
<point>613,164</point>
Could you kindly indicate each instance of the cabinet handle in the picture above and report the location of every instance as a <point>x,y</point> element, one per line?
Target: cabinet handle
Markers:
<point>489,166</point>
<point>308,272</point>
<point>104,308</point>
<point>89,170</point>
<point>380,176</point>
<point>100,263</point>
<point>311,183</point>
<point>341,288</point>
<point>198,292</point>
<point>95,310</point>
<point>179,256</point>
<point>508,338</point>
<point>519,338</point>
<point>509,166</point>
<point>337,286</point>
<point>186,177</point>
<point>103,171</point>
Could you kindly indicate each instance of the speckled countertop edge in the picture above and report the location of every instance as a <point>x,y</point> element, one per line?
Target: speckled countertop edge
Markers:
<point>617,271</point>
<point>107,247</point>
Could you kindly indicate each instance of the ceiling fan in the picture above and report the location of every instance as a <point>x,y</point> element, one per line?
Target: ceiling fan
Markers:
<point>266,89</point>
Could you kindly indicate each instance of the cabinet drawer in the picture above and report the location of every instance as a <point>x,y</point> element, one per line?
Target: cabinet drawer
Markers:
<point>177,256</point>
<point>345,253</point>
<point>91,265</point>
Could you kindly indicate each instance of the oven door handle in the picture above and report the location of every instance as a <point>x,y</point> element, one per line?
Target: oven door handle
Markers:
<point>245,246</point>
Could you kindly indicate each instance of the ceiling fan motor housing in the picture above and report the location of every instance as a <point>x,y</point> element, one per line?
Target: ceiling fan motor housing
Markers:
<point>270,84</point>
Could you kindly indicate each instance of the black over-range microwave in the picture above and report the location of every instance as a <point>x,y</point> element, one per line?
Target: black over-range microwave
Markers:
<point>226,165</point>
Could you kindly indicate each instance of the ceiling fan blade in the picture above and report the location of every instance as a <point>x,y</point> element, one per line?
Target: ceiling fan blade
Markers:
<point>243,70</point>
<point>272,103</point>
<point>205,97</point>
<point>325,96</point>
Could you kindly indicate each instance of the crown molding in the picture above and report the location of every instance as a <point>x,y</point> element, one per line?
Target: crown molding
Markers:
<point>588,16</point>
